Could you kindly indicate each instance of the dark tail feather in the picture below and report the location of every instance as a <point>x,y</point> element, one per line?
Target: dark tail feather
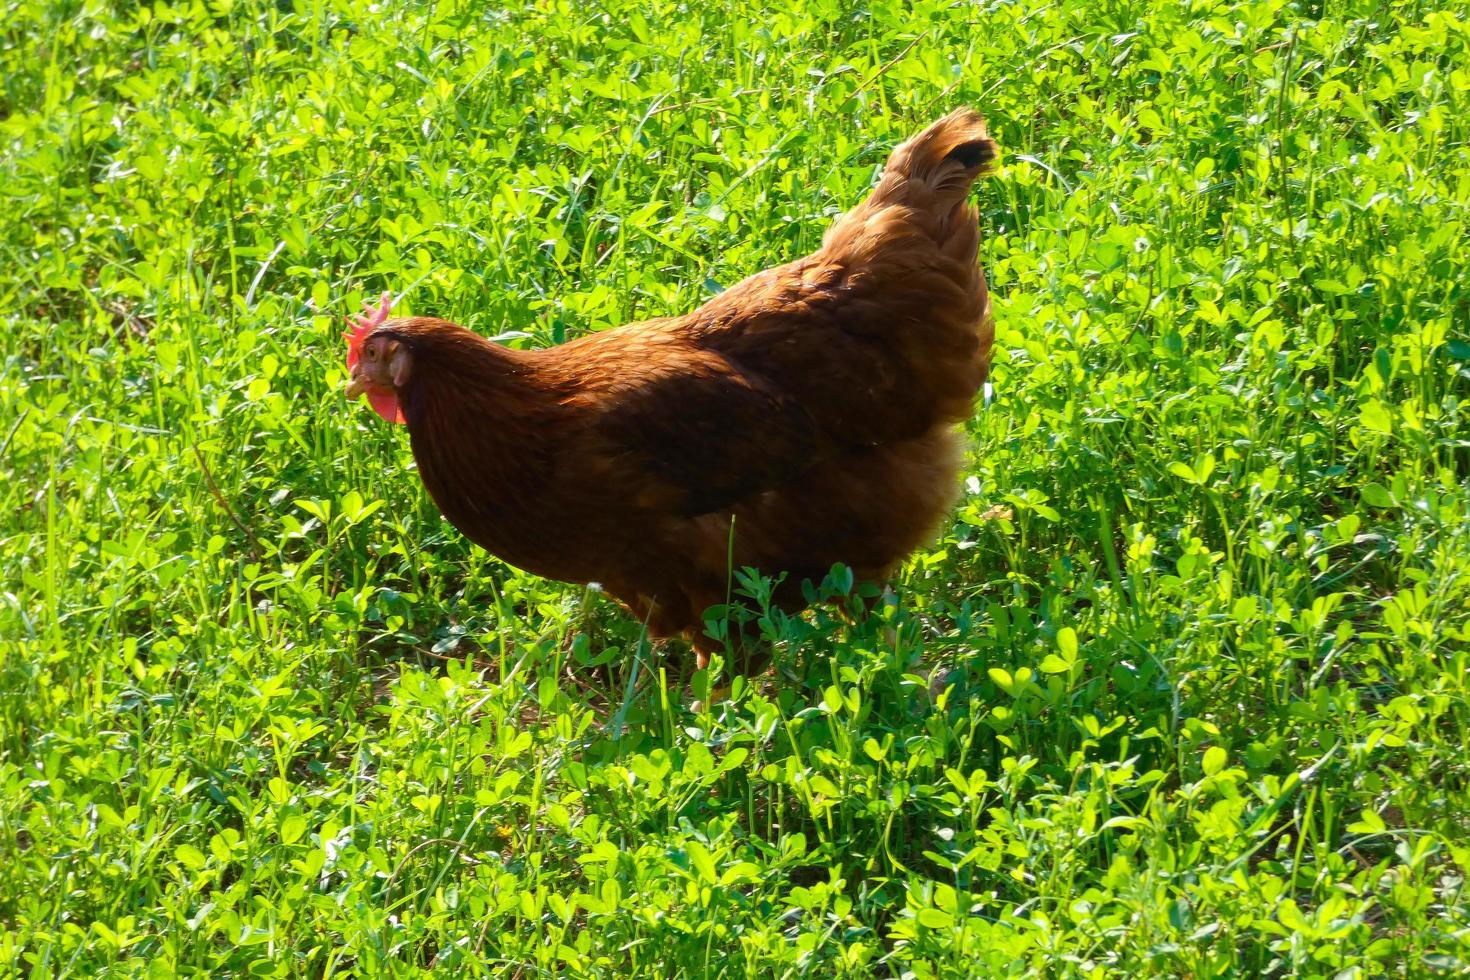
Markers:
<point>940,163</point>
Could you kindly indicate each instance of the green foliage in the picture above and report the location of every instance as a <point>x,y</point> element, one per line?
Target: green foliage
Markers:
<point>1182,691</point>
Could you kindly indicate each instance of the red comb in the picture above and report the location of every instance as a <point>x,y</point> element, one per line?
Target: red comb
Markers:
<point>371,319</point>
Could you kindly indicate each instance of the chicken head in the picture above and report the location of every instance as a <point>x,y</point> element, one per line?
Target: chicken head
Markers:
<point>377,366</point>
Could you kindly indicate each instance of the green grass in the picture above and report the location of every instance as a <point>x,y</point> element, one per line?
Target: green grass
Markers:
<point>1181,691</point>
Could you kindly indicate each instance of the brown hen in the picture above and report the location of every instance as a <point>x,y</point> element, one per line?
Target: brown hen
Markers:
<point>802,418</point>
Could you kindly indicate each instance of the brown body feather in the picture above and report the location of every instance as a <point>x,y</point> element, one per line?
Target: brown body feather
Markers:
<point>813,404</point>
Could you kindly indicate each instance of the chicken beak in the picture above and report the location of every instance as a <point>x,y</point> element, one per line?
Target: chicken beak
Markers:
<point>356,385</point>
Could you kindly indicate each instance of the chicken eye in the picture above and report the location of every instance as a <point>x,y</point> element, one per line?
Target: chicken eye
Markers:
<point>371,353</point>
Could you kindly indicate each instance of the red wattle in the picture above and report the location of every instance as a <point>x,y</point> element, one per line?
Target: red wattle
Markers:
<point>385,403</point>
